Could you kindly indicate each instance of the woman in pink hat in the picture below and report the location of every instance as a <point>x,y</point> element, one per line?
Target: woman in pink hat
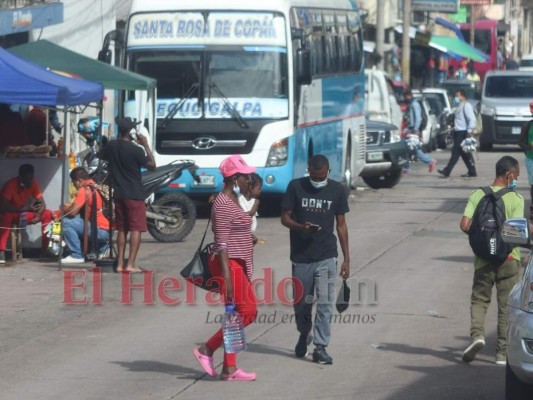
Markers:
<point>232,260</point>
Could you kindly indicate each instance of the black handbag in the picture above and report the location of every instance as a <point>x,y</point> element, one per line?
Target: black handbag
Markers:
<point>197,270</point>
<point>343,299</point>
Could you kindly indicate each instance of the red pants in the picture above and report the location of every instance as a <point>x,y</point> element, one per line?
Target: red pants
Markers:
<point>243,296</point>
<point>9,218</point>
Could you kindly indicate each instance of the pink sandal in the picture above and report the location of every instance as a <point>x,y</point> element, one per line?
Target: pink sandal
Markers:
<point>239,375</point>
<point>206,362</point>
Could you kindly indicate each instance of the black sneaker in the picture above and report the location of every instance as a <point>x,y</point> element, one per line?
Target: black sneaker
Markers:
<point>321,356</point>
<point>443,172</point>
<point>301,347</point>
<point>2,257</point>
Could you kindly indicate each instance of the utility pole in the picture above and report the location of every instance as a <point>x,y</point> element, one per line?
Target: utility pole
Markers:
<point>406,41</point>
<point>472,29</point>
<point>380,32</point>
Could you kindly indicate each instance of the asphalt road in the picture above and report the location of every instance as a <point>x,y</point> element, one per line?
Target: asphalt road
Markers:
<point>411,274</point>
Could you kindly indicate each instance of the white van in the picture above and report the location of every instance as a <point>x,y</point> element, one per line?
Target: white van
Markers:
<point>504,106</point>
<point>381,102</point>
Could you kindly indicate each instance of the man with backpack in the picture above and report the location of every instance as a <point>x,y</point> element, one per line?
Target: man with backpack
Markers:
<point>414,129</point>
<point>464,126</point>
<point>496,263</point>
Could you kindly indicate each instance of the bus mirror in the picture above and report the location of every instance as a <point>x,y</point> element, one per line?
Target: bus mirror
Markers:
<point>105,56</point>
<point>303,67</point>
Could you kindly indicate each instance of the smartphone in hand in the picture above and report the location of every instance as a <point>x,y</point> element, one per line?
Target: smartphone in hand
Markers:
<point>314,228</point>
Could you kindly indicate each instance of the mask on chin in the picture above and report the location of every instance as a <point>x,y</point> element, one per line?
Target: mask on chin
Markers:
<point>236,189</point>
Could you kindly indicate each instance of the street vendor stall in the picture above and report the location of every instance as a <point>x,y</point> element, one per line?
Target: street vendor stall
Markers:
<point>22,82</point>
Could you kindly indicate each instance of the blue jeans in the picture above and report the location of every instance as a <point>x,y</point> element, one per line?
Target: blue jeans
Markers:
<point>73,234</point>
<point>316,277</point>
<point>422,157</point>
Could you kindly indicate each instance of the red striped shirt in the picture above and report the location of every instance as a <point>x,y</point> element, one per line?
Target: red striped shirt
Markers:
<point>233,231</point>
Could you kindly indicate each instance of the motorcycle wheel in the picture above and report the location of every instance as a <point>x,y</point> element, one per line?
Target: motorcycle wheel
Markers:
<point>177,205</point>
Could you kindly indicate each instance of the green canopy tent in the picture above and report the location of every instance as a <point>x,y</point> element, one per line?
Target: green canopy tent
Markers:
<point>54,57</point>
<point>457,47</point>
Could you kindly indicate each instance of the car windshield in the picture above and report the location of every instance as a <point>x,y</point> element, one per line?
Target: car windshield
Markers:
<point>515,86</point>
<point>435,102</point>
<point>471,88</point>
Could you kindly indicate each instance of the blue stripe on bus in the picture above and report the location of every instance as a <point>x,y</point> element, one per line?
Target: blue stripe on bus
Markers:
<point>266,48</point>
<point>196,47</point>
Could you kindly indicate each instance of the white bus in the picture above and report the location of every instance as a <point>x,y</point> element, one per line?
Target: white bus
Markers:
<point>275,81</point>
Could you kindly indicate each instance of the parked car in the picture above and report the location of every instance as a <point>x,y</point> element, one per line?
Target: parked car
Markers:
<point>526,63</point>
<point>519,368</point>
<point>381,101</point>
<point>386,154</point>
<point>471,88</point>
<point>429,133</point>
<point>441,105</point>
<point>504,106</point>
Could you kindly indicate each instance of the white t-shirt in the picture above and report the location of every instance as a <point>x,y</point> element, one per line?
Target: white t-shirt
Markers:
<point>247,205</point>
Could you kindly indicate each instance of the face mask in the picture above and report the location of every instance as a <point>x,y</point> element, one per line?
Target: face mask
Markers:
<point>513,185</point>
<point>456,100</point>
<point>319,185</point>
<point>236,189</point>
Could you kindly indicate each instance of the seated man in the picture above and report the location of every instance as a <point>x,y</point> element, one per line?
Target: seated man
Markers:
<point>73,221</point>
<point>22,194</point>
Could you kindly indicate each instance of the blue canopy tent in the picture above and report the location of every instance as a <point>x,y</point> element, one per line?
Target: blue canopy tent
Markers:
<point>22,82</point>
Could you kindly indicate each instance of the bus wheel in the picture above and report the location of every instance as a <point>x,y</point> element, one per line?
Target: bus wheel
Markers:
<point>181,208</point>
<point>485,146</point>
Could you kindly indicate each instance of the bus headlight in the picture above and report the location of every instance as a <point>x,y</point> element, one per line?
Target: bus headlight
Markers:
<point>278,153</point>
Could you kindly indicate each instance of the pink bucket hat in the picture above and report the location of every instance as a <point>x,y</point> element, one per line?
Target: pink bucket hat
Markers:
<point>234,165</point>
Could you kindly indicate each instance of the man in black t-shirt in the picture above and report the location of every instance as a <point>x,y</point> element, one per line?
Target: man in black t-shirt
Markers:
<point>125,162</point>
<point>310,208</point>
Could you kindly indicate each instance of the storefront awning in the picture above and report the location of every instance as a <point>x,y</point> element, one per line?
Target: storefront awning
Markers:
<point>457,47</point>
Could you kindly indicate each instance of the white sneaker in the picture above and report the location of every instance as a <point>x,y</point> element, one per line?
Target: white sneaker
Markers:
<point>473,348</point>
<point>72,260</point>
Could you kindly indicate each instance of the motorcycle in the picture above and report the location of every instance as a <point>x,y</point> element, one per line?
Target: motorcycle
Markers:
<point>171,217</point>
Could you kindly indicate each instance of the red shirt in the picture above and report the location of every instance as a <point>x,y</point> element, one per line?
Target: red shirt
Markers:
<point>85,194</point>
<point>17,195</point>
<point>232,227</point>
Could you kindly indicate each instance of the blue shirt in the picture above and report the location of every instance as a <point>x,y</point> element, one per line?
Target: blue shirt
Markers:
<point>465,118</point>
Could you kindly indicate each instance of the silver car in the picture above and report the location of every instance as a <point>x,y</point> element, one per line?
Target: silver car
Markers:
<point>519,369</point>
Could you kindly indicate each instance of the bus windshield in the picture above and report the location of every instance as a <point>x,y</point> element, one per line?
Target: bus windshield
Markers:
<point>255,82</point>
<point>241,54</point>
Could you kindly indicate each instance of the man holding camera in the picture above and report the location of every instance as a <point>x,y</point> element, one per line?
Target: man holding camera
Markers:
<point>21,196</point>
<point>125,162</point>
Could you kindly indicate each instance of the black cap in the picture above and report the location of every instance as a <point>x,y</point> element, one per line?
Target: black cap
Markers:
<point>127,124</point>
